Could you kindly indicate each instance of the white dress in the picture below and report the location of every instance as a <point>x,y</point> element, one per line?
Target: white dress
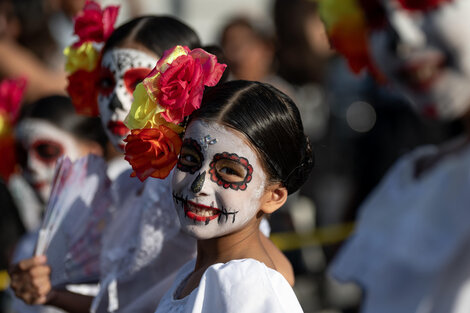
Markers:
<point>143,248</point>
<point>411,247</point>
<point>244,285</point>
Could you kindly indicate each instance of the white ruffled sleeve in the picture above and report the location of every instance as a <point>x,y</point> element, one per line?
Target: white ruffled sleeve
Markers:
<point>244,286</point>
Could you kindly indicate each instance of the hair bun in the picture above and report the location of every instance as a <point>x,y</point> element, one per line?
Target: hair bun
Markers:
<point>299,174</point>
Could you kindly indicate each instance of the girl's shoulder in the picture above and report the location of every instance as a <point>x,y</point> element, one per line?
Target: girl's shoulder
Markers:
<point>247,285</point>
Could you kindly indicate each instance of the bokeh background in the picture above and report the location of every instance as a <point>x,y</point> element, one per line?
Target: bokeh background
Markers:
<point>357,128</point>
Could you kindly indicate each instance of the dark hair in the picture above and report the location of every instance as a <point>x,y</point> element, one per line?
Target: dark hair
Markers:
<point>271,122</point>
<point>60,112</point>
<point>156,33</point>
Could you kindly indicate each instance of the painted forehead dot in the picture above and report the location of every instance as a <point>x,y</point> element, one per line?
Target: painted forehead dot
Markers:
<point>206,141</point>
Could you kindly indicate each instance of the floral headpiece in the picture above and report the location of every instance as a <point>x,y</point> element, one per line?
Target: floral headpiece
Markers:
<point>11,94</point>
<point>93,26</point>
<point>348,23</point>
<point>169,93</point>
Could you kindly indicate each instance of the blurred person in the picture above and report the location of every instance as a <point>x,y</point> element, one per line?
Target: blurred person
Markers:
<point>48,129</point>
<point>303,49</point>
<point>28,48</point>
<point>249,48</point>
<point>410,249</point>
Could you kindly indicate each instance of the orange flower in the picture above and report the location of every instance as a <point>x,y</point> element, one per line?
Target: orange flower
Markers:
<point>152,151</point>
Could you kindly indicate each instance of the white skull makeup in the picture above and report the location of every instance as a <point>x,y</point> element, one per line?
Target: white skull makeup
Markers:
<point>426,55</point>
<point>122,70</point>
<point>44,144</point>
<point>217,186</point>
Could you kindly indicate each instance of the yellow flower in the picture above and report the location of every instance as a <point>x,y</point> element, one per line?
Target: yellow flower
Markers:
<point>334,12</point>
<point>159,120</point>
<point>85,57</point>
<point>142,110</point>
<point>4,125</point>
<point>146,113</point>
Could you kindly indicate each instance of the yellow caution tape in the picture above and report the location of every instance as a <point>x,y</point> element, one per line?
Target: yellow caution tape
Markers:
<point>4,280</point>
<point>287,241</point>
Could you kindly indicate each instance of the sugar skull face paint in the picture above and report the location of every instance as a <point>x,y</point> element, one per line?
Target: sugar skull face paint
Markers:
<point>219,181</point>
<point>43,144</point>
<point>426,55</point>
<point>122,70</point>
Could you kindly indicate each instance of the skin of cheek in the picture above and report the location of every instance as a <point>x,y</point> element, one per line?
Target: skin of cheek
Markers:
<point>238,207</point>
<point>115,106</point>
<point>447,97</point>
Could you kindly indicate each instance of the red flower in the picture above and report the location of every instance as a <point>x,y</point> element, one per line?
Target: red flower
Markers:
<point>83,90</point>
<point>181,85</point>
<point>421,5</point>
<point>95,24</point>
<point>11,93</point>
<point>152,151</point>
<point>7,151</point>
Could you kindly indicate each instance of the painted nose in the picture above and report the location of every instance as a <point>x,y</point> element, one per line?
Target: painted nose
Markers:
<point>198,183</point>
<point>115,104</point>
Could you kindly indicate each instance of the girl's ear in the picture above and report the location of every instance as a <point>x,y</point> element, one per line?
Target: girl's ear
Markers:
<point>274,197</point>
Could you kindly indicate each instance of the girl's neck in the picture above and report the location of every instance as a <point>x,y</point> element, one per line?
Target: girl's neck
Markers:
<point>245,243</point>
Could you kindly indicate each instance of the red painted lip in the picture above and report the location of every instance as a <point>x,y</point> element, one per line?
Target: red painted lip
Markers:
<point>118,128</point>
<point>199,218</point>
<point>420,74</point>
<point>39,185</point>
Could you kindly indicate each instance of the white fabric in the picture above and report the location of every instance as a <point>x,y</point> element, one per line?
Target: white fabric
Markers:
<point>244,285</point>
<point>143,248</point>
<point>410,251</point>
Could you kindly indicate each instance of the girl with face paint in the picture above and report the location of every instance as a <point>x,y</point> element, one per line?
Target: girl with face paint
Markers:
<point>243,152</point>
<point>143,247</point>
<point>49,129</point>
<point>410,250</point>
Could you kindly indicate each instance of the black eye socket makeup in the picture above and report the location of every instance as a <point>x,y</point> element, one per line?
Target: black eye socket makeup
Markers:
<point>230,171</point>
<point>47,151</point>
<point>191,158</point>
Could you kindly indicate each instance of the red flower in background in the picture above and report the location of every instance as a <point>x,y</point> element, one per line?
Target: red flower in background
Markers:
<point>83,90</point>
<point>11,94</point>
<point>152,151</point>
<point>421,5</point>
<point>95,24</point>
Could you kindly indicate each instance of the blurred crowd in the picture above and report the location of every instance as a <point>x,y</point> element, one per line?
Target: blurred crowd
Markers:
<point>359,127</point>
